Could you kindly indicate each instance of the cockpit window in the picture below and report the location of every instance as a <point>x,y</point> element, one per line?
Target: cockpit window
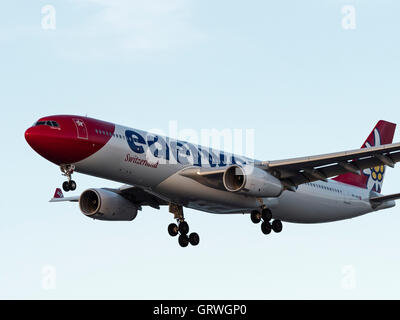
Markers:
<point>49,123</point>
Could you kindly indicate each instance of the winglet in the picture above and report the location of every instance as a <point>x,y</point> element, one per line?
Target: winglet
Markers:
<point>58,194</point>
<point>59,197</point>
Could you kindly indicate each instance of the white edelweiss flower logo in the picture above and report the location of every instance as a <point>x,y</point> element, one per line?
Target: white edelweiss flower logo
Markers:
<point>374,175</point>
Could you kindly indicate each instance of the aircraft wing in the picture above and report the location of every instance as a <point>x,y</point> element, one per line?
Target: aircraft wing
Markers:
<point>210,177</point>
<point>296,171</point>
<point>138,196</point>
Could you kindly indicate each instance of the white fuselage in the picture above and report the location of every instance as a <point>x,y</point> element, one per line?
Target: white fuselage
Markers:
<point>310,203</point>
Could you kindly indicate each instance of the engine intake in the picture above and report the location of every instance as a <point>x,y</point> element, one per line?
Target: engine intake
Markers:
<point>252,181</point>
<point>103,204</point>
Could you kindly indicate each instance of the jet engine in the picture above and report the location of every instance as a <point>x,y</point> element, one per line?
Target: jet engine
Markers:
<point>102,204</point>
<point>251,181</point>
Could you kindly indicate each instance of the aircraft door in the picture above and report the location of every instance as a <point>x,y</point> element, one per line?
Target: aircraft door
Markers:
<point>82,132</point>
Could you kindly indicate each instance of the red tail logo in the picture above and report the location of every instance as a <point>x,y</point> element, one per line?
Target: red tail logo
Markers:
<point>372,178</point>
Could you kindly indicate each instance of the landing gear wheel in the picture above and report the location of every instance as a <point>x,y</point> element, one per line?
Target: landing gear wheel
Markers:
<point>184,228</point>
<point>255,216</point>
<point>183,240</point>
<point>194,239</point>
<point>72,185</point>
<point>277,226</point>
<point>181,228</point>
<point>266,227</point>
<point>173,230</point>
<point>65,186</point>
<point>68,170</point>
<point>266,214</point>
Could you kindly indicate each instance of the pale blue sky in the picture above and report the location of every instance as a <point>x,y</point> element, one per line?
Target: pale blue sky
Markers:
<point>286,69</point>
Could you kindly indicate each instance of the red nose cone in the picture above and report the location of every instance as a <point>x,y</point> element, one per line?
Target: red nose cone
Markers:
<point>68,139</point>
<point>47,142</point>
<point>27,135</point>
<point>32,138</point>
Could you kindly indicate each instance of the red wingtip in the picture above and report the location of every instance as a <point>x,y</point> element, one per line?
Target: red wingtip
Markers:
<point>58,194</point>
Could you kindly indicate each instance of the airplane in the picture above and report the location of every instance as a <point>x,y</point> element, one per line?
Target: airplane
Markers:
<point>159,171</point>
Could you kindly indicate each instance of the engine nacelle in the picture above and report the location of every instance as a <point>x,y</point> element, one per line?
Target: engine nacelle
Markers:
<point>252,181</point>
<point>102,204</point>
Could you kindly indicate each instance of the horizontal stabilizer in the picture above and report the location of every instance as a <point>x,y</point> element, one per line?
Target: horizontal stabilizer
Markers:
<point>382,199</point>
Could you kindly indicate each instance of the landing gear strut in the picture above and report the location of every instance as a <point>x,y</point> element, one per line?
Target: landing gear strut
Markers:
<point>182,228</point>
<point>68,170</point>
<point>266,226</point>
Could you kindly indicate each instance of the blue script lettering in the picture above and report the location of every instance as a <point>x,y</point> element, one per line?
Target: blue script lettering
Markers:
<point>183,152</point>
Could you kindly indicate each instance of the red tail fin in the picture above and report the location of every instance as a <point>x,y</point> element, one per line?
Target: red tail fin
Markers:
<point>371,179</point>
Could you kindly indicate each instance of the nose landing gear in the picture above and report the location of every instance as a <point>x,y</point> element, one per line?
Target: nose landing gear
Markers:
<point>266,226</point>
<point>182,228</point>
<point>68,170</point>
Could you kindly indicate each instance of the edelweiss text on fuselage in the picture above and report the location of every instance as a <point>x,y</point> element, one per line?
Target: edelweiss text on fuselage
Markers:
<point>175,151</point>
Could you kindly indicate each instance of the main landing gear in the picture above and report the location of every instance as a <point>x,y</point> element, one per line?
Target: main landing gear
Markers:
<point>266,226</point>
<point>68,170</point>
<point>182,228</point>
